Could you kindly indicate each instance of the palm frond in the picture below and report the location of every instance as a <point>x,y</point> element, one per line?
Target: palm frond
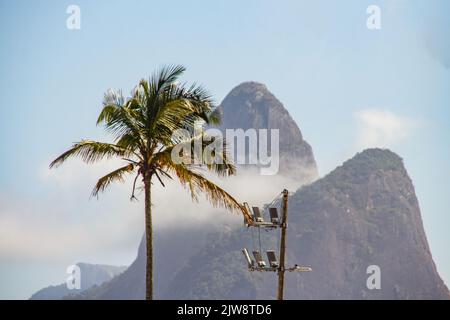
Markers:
<point>124,119</point>
<point>172,116</point>
<point>146,121</point>
<point>215,117</point>
<point>91,151</point>
<point>198,97</point>
<point>197,183</point>
<point>217,161</point>
<point>166,76</point>
<point>116,175</point>
<point>112,100</point>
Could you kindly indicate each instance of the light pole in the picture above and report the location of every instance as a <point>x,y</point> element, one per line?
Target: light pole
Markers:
<point>283,226</point>
<point>259,264</point>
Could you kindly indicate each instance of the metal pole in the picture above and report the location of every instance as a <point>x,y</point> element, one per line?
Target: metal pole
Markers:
<point>281,269</point>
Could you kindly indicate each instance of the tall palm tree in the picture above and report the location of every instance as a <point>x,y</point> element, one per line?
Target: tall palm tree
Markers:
<point>144,128</point>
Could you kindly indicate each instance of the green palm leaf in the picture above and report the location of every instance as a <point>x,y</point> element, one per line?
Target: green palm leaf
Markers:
<point>91,151</point>
<point>116,175</point>
<point>143,128</point>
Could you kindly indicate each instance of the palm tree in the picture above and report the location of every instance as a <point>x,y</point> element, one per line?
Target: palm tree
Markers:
<point>143,127</point>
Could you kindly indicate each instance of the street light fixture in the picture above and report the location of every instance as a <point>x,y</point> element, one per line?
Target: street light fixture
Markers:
<point>275,222</point>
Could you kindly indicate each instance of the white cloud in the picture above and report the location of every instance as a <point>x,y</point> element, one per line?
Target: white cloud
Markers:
<point>59,221</point>
<point>63,223</point>
<point>382,128</point>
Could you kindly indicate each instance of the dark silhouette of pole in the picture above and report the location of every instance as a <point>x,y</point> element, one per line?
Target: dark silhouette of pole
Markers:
<point>282,269</point>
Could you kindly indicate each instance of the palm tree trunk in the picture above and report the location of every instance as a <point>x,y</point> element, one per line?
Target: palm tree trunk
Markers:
<point>149,240</point>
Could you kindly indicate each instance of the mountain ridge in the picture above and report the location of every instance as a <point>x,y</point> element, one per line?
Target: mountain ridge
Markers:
<point>363,213</point>
<point>250,105</point>
<point>91,275</point>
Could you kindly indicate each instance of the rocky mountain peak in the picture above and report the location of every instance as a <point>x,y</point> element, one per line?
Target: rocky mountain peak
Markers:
<point>364,214</point>
<point>251,105</point>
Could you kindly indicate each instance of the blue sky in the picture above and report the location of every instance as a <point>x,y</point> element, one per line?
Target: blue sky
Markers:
<point>346,86</point>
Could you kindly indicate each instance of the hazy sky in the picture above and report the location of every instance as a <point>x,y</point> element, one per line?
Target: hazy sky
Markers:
<point>347,87</point>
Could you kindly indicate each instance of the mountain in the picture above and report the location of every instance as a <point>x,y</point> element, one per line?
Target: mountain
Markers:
<point>363,213</point>
<point>174,247</point>
<point>251,105</point>
<point>91,276</point>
